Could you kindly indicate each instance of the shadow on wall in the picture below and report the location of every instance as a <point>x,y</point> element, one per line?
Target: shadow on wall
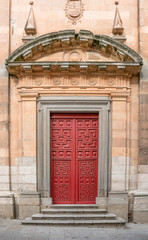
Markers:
<point>144,71</point>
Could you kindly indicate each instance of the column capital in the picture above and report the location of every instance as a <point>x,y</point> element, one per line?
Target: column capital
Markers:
<point>28,96</point>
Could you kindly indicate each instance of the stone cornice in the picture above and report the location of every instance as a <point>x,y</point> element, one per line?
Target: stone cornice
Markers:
<point>19,69</point>
<point>68,39</point>
<point>22,60</point>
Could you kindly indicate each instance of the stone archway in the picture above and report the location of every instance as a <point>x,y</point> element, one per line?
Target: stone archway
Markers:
<point>88,70</point>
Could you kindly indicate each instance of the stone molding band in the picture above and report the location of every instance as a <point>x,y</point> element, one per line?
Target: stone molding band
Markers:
<point>47,105</point>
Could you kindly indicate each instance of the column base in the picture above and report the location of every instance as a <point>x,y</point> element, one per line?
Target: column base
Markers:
<point>7,205</point>
<point>46,202</point>
<point>102,202</point>
<point>29,203</point>
<point>118,204</point>
<point>140,210</point>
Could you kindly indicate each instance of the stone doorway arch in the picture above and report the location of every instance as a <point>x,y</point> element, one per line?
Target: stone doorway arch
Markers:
<point>92,72</point>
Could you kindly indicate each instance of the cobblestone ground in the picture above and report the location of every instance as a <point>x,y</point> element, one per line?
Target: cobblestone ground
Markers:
<point>13,230</point>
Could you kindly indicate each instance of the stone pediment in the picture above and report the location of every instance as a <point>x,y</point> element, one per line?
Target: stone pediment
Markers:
<point>71,51</point>
<point>76,55</point>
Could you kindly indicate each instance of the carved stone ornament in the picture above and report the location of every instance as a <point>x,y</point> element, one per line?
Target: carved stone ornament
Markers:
<point>92,82</point>
<point>111,81</point>
<point>74,10</point>
<point>118,28</point>
<point>74,56</point>
<point>56,81</point>
<point>30,27</point>
<point>118,25</point>
<point>38,81</point>
<point>74,82</point>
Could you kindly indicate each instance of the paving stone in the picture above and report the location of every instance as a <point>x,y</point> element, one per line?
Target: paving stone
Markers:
<point>13,230</point>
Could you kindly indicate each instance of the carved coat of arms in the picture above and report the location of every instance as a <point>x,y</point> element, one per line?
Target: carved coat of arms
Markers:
<point>74,10</point>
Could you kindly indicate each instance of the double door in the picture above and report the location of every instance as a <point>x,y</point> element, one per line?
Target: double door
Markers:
<point>74,158</point>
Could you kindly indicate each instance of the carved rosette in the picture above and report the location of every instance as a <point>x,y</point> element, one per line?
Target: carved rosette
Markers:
<point>74,82</point>
<point>111,82</point>
<point>56,81</point>
<point>74,10</point>
<point>38,81</point>
<point>92,82</point>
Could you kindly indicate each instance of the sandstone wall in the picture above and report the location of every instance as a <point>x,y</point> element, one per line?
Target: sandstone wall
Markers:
<point>98,17</point>
<point>4,98</point>
<point>143,131</point>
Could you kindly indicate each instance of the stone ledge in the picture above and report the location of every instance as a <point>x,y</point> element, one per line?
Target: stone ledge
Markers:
<point>140,194</point>
<point>30,193</point>
<point>21,68</point>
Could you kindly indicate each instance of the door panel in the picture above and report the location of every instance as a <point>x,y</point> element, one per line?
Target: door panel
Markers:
<point>74,158</point>
<point>61,153</point>
<point>86,159</point>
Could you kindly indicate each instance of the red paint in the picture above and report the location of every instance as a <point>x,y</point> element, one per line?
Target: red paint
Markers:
<point>74,158</point>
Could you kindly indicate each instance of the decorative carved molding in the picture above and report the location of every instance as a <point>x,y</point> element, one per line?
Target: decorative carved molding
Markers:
<point>81,83</point>
<point>74,10</point>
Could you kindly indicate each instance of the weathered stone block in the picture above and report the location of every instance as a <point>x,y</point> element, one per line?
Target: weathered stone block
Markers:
<point>46,202</point>
<point>27,211</point>
<point>30,170</point>
<point>29,203</point>
<point>102,202</point>
<point>6,207</point>
<point>140,217</point>
<point>118,204</point>
<point>140,210</point>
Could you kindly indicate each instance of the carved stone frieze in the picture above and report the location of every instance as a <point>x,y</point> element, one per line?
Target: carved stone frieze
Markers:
<point>72,81</point>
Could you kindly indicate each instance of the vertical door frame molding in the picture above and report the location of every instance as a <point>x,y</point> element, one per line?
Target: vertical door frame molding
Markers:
<point>72,104</point>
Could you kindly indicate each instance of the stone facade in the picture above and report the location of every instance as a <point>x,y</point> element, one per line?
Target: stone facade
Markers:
<point>61,64</point>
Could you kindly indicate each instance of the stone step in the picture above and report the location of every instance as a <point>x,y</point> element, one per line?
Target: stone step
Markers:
<point>74,217</point>
<point>94,206</point>
<point>73,211</point>
<point>118,222</point>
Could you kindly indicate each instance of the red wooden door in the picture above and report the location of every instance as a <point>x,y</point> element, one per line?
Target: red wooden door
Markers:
<point>74,158</point>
